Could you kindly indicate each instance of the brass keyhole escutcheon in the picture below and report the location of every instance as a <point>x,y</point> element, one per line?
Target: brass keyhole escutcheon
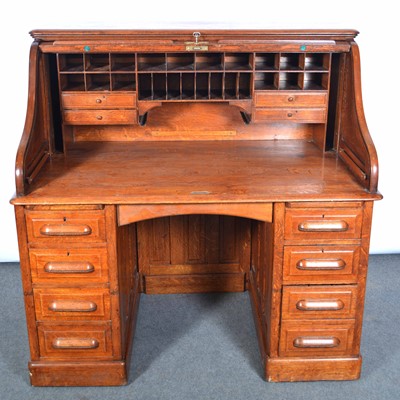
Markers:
<point>196,36</point>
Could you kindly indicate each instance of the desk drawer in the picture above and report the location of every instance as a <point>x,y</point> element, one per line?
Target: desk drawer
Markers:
<point>69,265</point>
<point>290,99</point>
<point>98,100</point>
<point>100,117</point>
<point>317,338</point>
<point>320,223</point>
<point>75,342</point>
<point>72,304</point>
<point>316,302</point>
<point>65,226</point>
<point>321,264</point>
<point>311,115</point>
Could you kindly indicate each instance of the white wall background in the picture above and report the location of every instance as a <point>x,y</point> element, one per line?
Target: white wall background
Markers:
<point>380,65</point>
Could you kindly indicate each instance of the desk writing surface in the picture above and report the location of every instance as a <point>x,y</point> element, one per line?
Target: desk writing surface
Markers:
<point>193,172</point>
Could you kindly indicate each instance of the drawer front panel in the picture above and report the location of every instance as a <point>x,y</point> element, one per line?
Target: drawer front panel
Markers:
<point>317,338</point>
<point>69,265</point>
<point>68,226</point>
<point>98,100</point>
<point>315,115</point>
<point>314,224</point>
<point>100,117</point>
<point>291,99</point>
<point>72,304</point>
<point>321,264</point>
<point>75,342</point>
<point>316,302</point>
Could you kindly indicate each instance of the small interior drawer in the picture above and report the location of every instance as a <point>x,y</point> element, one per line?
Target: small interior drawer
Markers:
<point>98,100</point>
<point>72,304</point>
<point>321,223</point>
<point>317,338</point>
<point>321,264</point>
<point>75,342</point>
<point>316,302</point>
<point>290,99</point>
<point>100,117</point>
<point>69,265</point>
<point>311,115</point>
<point>65,226</point>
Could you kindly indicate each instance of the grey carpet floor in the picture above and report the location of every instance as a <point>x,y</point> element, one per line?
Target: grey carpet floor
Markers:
<point>205,347</point>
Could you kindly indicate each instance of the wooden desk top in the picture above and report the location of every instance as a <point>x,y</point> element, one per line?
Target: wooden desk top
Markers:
<point>193,172</point>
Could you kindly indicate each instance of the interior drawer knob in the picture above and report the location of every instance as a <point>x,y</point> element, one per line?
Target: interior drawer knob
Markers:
<point>290,115</point>
<point>307,342</point>
<point>98,101</point>
<point>99,117</point>
<point>320,305</point>
<point>291,98</point>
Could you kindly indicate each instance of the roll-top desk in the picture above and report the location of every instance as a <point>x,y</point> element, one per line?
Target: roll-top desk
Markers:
<point>181,162</point>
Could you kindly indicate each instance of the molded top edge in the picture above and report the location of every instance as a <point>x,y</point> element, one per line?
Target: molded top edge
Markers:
<point>256,34</point>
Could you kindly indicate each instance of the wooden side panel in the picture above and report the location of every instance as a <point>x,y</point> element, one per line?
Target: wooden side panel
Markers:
<point>111,237</point>
<point>274,277</point>
<point>129,282</point>
<point>34,147</point>
<point>194,245</point>
<point>355,145</point>
<point>265,284</point>
<point>363,269</point>
<point>258,266</point>
<point>257,283</point>
<point>27,282</point>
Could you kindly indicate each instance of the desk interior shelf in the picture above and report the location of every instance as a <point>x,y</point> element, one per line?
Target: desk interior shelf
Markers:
<point>97,72</point>
<point>193,76</point>
<point>292,71</point>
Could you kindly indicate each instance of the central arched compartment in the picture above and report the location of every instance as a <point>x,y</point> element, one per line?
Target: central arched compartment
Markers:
<point>194,253</point>
<point>196,248</point>
<point>177,249</point>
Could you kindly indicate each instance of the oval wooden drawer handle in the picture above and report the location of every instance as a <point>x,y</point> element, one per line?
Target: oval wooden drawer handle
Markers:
<point>315,264</point>
<point>65,267</point>
<point>75,343</point>
<point>306,342</point>
<point>72,306</point>
<point>323,226</point>
<point>65,230</point>
<point>320,305</point>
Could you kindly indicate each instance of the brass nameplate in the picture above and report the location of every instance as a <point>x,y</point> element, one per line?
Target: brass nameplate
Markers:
<point>196,47</point>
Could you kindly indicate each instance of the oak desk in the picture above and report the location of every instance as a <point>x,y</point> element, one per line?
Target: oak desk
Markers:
<point>181,162</point>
